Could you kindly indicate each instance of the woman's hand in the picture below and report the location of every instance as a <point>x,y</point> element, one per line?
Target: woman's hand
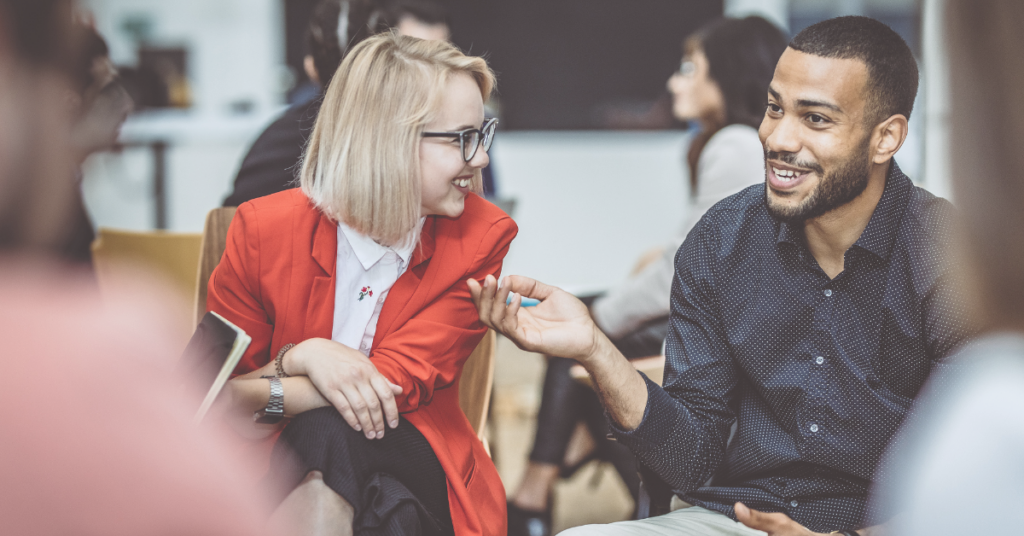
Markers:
<point>347,378</point>
<point>560,325</point>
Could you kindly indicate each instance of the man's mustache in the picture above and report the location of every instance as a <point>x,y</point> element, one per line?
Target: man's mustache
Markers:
<point>791,160</point>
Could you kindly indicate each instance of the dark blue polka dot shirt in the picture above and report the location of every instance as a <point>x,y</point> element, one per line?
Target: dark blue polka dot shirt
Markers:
<point>817,373</point>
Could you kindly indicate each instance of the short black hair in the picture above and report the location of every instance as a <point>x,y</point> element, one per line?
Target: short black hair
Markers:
<point>426,11</point>
<point>324,38</point>
<point>742,54</point>
<point>892,69</point>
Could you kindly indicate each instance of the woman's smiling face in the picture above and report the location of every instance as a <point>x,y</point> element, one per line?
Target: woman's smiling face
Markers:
<point>444,175</point>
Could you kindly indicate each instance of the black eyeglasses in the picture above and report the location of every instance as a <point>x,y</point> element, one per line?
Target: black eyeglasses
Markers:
<point>471,138</point>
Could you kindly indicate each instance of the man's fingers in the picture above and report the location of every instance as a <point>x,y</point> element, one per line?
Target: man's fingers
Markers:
<point>511,320</point>
<point>755,519</point>
<point>499,309</point>
<point>474,291</point>
<point>531,288</point>
<point>485,299</point>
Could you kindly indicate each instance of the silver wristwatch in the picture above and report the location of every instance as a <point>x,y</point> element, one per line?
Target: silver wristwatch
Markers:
<point>274,411</point>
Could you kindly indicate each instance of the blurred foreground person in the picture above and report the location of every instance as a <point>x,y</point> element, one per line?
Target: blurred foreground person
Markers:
<point>352,290</point>
<point>808,311</point>
<point>96,440</point>
<point>721,84</point>
<point>100,106</point>
<point>959,467</point>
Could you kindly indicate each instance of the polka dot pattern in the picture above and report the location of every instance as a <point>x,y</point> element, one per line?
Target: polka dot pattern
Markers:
<point>817,373</point>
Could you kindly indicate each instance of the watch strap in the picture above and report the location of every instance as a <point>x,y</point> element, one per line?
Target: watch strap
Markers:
<point>274,411</point>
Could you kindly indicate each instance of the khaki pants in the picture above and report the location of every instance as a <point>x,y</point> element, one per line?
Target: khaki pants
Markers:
<point>692,521</point>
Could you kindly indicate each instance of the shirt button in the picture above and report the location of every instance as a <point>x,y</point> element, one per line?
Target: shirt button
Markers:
<point>380,299</point>
<point>828,292</point>
<point>814,427</point>
<point>819,360</point>
<point>794,504</point>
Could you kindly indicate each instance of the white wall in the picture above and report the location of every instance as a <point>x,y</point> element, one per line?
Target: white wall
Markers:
<point>590,202</point>
<point>236,46</point>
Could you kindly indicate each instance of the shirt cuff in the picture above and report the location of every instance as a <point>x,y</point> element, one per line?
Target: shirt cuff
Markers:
<point>658,422</point>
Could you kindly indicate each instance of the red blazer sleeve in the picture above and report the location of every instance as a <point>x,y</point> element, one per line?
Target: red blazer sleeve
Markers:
<point>234,290</point>
<point>428,351</point>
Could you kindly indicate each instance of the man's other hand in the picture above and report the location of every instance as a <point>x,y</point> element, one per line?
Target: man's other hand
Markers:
<point>560,325</point>
<point>775,524</point>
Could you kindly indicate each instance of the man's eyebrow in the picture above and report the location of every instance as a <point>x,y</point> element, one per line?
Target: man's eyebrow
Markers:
<point>807,103</point>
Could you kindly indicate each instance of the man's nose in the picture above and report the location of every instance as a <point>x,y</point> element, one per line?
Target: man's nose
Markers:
<point>784,137</point>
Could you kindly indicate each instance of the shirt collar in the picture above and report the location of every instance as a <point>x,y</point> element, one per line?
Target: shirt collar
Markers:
<point>880,233</point>
<point>369,252</point>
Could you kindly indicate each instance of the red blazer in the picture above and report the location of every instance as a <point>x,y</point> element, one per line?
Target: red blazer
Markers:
<point>276,281</point>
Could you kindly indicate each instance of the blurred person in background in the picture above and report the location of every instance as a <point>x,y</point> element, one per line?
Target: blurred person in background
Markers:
<point>100,106</point>
<point>958,467</point>
<point>335,28</point>
<point>272,162</point>
<point>98,440</point>
<point>808,311</point>
<point>721,84</point>
<point>423,19</point>
<point>352,291</point>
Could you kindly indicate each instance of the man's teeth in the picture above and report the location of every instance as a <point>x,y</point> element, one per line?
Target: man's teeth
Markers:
<point>462,183</point>
<point>786,174</point>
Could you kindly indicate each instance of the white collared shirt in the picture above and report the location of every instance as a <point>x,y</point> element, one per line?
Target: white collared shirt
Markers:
<point>365,273</point>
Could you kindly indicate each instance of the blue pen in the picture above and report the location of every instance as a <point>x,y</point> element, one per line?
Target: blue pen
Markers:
<point>527,302</point>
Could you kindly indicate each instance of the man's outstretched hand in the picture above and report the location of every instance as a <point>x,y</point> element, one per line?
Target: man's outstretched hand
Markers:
<point>775,524</point>
<point>560,325</point>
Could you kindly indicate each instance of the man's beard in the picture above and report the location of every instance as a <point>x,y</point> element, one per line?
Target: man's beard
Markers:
<point>843,184</point>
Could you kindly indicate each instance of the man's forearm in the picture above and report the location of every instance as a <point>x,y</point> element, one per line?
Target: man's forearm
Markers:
<point>622,390</point>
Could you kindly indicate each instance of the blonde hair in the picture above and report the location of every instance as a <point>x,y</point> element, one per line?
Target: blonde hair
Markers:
<point>361,165</point>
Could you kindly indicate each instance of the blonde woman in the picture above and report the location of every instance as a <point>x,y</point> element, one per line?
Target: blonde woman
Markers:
<point>353,290</point>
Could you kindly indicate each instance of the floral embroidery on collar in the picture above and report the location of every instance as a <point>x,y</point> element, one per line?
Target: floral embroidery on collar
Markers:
<point>366,291</point>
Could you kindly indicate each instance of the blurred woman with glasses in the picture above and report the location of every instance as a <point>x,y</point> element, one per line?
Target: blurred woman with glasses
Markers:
<point>721,86</point>
<point>353,290</point>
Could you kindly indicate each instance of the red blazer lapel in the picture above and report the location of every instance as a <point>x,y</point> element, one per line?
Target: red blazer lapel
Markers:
<point>403,293</point>
<point>320,311</point>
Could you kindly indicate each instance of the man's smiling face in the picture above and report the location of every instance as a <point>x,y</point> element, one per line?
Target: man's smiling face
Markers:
<point>815,133</point>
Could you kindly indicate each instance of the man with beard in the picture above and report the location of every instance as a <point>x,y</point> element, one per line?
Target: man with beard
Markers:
<point>808,312</point>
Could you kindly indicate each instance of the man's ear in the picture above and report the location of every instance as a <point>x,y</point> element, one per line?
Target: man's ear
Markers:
<point>887,138</point>
<point>310,67</point>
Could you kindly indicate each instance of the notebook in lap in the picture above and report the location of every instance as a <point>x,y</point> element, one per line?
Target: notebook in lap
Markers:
<point>211,355</point>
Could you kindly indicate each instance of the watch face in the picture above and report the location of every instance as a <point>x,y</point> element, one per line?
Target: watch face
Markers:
<point>265,417</point>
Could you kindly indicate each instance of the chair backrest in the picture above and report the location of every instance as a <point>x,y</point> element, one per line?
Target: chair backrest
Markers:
<point>476,383</point>
<point>119,257</point>
<point>215,237</point>
<point>477,373</point>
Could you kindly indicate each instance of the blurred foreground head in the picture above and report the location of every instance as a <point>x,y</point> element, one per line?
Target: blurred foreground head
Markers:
<point>36,165</point>
<point>987,74</point>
